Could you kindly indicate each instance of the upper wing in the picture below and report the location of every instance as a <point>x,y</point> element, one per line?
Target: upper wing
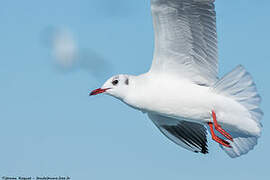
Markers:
<point>186,39</point>
<point>189,135</point>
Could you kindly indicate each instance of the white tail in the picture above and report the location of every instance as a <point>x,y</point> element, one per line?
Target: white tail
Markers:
<point>238,84</point>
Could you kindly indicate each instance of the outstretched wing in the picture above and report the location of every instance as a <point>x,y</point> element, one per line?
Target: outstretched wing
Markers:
<point>189,135</point>
<point>186,39</point>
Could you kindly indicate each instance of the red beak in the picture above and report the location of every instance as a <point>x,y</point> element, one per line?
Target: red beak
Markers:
<point>98,91</point>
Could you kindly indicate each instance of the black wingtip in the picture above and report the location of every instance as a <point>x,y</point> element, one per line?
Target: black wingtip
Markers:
<point>204,150</point>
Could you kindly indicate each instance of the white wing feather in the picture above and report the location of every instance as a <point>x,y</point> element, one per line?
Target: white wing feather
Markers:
<point>185,39</point>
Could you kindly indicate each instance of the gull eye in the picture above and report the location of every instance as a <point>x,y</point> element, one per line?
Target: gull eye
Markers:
<point>115,82</point>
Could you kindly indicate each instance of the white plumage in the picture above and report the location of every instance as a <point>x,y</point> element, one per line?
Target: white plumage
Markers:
<point>182,93</point>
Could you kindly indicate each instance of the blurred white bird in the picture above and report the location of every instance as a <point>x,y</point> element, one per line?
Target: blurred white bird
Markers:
<point>64,48</point>
<point>68,56</point>
<point>182,93</point>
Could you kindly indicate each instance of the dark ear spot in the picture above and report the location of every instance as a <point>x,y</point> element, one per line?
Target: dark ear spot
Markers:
<point>127,81</point>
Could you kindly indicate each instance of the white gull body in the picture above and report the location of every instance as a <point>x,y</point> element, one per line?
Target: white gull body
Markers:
<point>182,99</point>
<point>182,87</point>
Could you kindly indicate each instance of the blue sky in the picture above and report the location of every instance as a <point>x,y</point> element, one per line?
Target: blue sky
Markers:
<point>49,125</point>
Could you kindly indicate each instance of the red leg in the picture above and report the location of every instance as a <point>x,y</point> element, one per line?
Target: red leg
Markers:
<point>219,128</point>
<point>216,138</point>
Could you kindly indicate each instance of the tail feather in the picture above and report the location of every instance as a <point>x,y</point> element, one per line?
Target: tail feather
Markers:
<point>240,146</point>
<point>239,85</point>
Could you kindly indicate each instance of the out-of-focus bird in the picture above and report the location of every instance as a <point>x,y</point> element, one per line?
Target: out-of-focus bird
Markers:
<point>68,56</point>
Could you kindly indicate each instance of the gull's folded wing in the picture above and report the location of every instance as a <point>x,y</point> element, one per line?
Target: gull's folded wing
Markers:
<point>189,135</point>
<point>185,39</point>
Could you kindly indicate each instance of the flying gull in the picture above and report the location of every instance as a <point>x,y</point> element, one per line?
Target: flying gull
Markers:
<point>182,93</point>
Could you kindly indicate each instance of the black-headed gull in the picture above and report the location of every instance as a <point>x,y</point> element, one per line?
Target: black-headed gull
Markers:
<point>182,93</point>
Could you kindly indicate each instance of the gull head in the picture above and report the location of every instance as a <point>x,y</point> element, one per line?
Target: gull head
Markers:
<point>117,86</point>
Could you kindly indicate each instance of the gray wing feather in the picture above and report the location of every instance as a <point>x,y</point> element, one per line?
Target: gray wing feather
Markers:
<point>186,39</point>
<point>189,135</point>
